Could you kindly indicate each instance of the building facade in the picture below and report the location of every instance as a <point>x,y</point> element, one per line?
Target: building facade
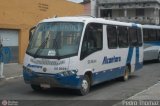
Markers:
<point>18,16</point>
<point>87,7</point>
<point>139,11</point>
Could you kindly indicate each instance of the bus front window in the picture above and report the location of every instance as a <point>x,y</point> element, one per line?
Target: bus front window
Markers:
<point>55,39</point>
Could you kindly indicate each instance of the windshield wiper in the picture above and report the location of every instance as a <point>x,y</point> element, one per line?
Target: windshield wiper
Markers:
<point>56,48</point>
<point>41,46</point>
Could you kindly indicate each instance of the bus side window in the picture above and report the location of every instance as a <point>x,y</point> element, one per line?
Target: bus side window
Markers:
<point>112,37</point>
<point>158,35</point>
<point>152,35</point>
<point>133,39</point>
<point>145,34</point>
<point>93,39</point>
<point>139,34</point>
<point>122,36</point>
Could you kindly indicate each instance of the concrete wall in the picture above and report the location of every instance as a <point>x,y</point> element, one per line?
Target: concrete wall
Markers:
<point>22,14</point>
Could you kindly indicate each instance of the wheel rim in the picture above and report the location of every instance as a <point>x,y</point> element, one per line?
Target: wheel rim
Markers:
<point>84,85</point>
<point>126,74</point>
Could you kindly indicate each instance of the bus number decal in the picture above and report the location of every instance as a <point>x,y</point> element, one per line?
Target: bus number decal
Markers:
<point>92,61</point>
<point>60,68</point>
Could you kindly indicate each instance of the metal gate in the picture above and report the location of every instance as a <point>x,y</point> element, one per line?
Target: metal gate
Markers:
<point>10,43</point>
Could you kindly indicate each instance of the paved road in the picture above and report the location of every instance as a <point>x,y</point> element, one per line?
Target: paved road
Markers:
<point>111,90</point>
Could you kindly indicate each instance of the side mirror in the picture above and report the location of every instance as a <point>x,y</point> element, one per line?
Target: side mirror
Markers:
<point>31,31</point>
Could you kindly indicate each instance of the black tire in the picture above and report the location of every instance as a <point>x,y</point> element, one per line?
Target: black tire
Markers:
<point>36,87</point>
<point>85,86</point>
<point>126,74</point>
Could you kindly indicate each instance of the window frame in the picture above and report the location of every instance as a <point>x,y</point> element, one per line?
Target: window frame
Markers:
<point>145,34</point>
<point>137,43</point>
<point>116,36</point>
<point>84,54</point>
<point>152,37</point>
<point>140,41</point>
<point>127,36</point>
<point>158,34</point>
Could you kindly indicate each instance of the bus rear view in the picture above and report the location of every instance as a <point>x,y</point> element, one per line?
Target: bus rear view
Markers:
<point>78,52</point>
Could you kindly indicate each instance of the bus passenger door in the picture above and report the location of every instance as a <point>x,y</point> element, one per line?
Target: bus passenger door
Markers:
<point>92,46</point>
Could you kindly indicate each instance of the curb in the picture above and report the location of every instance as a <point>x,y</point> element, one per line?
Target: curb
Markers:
<point>10,78</point>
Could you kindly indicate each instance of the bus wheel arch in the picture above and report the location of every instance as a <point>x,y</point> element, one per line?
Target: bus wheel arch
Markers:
<point>127,72</point>
<point>89,74</point>
<point>129,66</point>
<point>86,83</point>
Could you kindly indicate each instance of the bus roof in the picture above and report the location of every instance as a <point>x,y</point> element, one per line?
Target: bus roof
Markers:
<point>87,19</point>
<point>151,26</point>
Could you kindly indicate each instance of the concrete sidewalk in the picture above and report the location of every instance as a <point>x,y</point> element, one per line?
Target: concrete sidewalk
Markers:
<point>152,93</point>
<point>147,97</point>
<point>12,70</point>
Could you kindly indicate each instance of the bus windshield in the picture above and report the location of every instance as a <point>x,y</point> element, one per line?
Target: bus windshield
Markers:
<point>55,39</point>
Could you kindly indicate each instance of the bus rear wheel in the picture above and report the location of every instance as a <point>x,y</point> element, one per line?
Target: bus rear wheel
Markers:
<point>85,86</point>
<point>126,73</point>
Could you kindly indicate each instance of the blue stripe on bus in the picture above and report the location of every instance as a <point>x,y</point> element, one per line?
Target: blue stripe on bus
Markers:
<point>130,55</point>
<point>106,75</point>
<point>57,81</point>
<point>110,74</point>
<point>74,81</point>
<point>115,72</point>
<point>134,25</point>
<point>138,65</point>
<point>137,55</point>
<point>156,43</point>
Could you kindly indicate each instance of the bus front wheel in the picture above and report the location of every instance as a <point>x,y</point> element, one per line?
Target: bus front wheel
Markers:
<point>85,85</point>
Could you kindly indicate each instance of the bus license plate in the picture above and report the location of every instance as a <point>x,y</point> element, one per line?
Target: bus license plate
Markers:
<point>45,85</point>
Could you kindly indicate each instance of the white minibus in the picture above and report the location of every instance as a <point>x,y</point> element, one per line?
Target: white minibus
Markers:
<point>79,52</point>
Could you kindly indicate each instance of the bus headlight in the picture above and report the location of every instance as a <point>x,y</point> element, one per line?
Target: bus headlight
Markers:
<point>68,73</point>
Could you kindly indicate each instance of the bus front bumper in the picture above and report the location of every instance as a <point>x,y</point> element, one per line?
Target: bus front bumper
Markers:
<point>53,80</point>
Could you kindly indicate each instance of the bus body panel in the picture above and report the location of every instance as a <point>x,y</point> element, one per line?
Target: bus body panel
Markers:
<point>151,50</point>
<point>52,73</point>
<point>100,67</point>
<point>151,46</point>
